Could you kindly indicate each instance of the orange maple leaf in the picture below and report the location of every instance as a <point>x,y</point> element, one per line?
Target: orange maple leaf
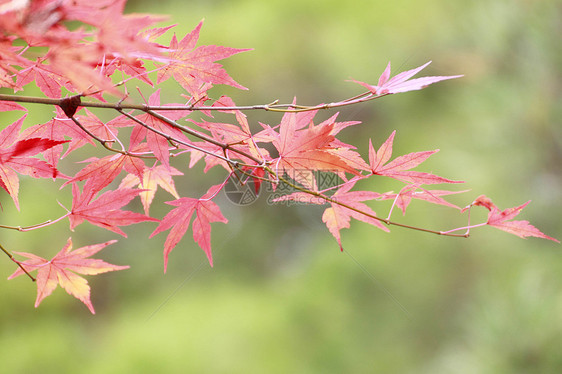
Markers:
<point>61,270</point>
<point>304,146</point>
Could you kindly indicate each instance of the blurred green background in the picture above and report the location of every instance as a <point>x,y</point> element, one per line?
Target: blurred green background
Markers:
<point>281,297</point>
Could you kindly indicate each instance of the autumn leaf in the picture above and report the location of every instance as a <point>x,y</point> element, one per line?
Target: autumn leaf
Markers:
<point>7,106</point>
<point>502,219</point>
<point>399,167</point>
<point>15,157</point>
<point>101,172</point>
<point>192,67</point>
<point>414,191</point>
<point>338,216</point>
<point>61,270</point>
<point>178,220</point>
<point>49,82</point>
<point>401,82</point>
<point>59,128</point>
<point>105,211</point>
<point>151,179</point>
<point>157,143</point>
<point>304,146</point>
<point>238,134</point>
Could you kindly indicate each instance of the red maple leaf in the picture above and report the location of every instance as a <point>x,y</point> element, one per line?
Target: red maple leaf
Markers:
<point>105,211</point>
<point>413,191</point>
<point>157,143</point>
<point>337,216</point>
<point>239,135</point>
<point>151,179</point>
<point>15,157</point>
<point>7,106</point>
<point>193,67</point>
<point>302,146</point>
<point>59,128</point>
<point>101,172</point>
<point>178,219</point>
<point>401,82</point>
<point>399,167</point>
<point>61,270</point>
<point>501,219</point>
<point>48,81</point>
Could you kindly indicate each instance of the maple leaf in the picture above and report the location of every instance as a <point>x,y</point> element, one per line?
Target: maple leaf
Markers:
<point>401,82</point>
<point>105,210</point>
<point>58,129</point>
<point>61,270</point>
<point>7,106</point>
<point>101,172</point>
<point>304,146</point>
<point>157,143</point>
<point>178,220</point>
<point>399,167</point>
<point>15,158</point>
<point>48,81</point>
<point>106,131</point>
<point>337,216</point>
<point>501,219</point>
<point>193,67</point>
<point>413,191</point>
<point>227,133</point>
<point>151,179</point>
<point>121,34</point>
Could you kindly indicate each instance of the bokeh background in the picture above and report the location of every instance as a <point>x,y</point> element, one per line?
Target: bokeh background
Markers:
<point>282,298</point>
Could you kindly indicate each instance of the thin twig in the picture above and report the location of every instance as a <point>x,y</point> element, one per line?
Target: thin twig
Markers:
<point>386,221</point>
<point>273,107</point>
<point>16,261</point>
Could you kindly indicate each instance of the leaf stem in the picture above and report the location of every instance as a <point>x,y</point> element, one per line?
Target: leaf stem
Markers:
<point>48,222</point>
<point>16,261</point>
<point>386,221</point>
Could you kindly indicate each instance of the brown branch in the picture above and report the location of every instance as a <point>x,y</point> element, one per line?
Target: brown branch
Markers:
<point>172,140</point>
<point>386,221</point>
<point>273,107</point>
<point>203,137</point>
<point>16,261</point>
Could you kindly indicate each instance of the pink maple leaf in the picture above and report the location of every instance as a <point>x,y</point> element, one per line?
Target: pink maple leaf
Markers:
<point>338,216</point>
<point>399,167</point>
<point>178,220</point>
<point>192,67</point>
<point>105,211</point>
<point>402,82</point>
<point>501,219</point>
<point>16,157</point>
<point>413,191</point>
<point>61,270</point>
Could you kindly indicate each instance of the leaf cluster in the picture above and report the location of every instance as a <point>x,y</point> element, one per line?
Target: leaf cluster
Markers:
<point>92,52</point>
